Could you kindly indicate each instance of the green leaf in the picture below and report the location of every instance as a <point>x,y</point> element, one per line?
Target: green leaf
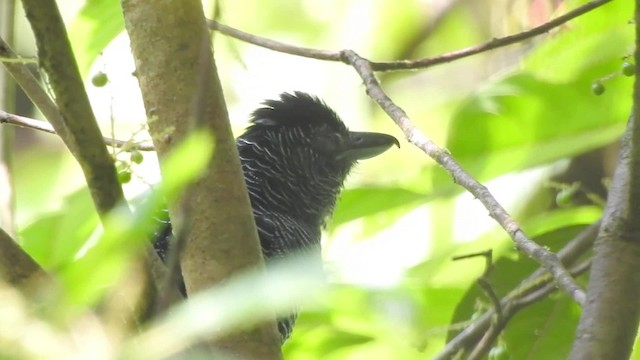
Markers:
<point>600,38</point>
<point>545,111</point>
<point>95,26</point>
<point>55,239</point>
<point>521,122</point>
<point>561,218</point>
<point>544,330</point>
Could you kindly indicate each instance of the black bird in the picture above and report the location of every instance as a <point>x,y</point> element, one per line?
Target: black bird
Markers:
<point>295,157</point>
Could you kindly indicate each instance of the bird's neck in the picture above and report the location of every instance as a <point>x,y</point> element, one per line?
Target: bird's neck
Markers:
<point>295,192</point>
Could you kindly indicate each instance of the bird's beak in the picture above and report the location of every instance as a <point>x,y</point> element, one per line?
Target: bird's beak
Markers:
<point>365,145</point>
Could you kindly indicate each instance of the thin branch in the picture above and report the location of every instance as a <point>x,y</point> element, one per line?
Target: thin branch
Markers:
<point>496,327</point>
<point>29,123</point>
<point>408,64</point>
<point>516,305</point>
<point>484,345</point>
<point>483,281</point>
<point>273,44</point>
<point>536,252</point>
<point>7,100</point>
<point>550,287</point>
<point>489,45</point>
<point>30,85</point>
<point>575,248</point>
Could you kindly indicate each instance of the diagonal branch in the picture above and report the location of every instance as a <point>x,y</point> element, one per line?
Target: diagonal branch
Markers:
<point>30,85</point>
<point>489,45</point>
<point>29,123</point>
<point>536,252</point>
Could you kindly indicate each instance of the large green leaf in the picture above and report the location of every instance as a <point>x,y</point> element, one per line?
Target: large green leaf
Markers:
<point>544,111</point>
<point>54,239</point>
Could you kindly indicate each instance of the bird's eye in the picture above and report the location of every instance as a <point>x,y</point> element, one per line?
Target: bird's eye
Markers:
<point>327,144</point>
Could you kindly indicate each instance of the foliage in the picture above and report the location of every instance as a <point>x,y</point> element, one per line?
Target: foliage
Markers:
<point>497,120</point>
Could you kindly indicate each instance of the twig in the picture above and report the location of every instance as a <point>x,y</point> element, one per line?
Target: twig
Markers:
<point>497,326</point>
<point>484,345</point>
<point>550,287</point>
<point>273,44</point>
<point>25,122</point>
<point>488,339</point>
<point>537,280</point>
<point>489,45</point>
<point>487,254</point>
<point>7,99</point>
<point>483,281</point>
<point>30,85</point>
<point>408,64</point>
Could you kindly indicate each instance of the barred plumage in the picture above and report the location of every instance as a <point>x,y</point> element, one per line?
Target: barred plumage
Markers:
<point>295,157</point>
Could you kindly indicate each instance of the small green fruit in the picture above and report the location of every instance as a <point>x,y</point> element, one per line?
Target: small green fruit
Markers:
<point>628,69</point>
<point>136,156</point>
<point>124,177</point>
<point>597,88</point>
<point>100,79</point>
<point>564,198</point>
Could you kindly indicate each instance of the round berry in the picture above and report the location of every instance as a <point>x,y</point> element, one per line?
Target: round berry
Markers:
<point>124,177</point>
<point>597,88</point>
<point>100,79</point>
<point>628,69</point>
<point>564,198</point>
<point>136,156</point>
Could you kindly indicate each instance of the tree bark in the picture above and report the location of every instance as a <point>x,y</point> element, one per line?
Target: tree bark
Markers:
<point>609,321</point>
<point>182,93</point>
<point>75,122</point>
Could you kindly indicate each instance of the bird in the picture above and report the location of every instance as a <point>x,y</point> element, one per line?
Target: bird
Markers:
<point>295,156</point>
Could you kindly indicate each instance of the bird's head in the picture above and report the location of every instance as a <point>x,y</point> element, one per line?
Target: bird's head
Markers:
<point>298,141</point>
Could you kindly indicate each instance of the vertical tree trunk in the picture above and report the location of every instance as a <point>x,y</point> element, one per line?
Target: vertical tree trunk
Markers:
<point>182,93</point>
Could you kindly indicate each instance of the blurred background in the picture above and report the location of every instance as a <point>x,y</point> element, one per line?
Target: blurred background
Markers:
<point>522,119</point>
